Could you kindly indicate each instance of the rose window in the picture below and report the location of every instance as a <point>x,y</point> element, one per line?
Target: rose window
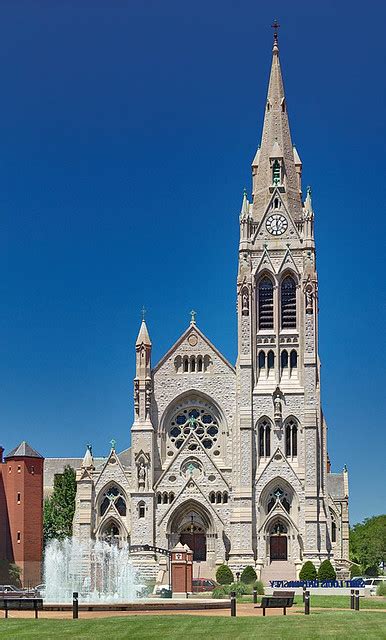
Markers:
<point>198,421</point>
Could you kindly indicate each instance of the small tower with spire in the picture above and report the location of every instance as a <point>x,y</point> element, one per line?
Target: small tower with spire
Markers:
<point>142,444</point>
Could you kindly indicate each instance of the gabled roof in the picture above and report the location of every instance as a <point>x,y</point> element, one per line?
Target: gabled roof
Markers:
<point>191,329</point>
<point>23,450</point>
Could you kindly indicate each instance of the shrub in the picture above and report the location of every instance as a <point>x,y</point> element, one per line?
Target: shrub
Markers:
<point>219,593</point>
<point>326,571</point>
<point>355,570</point>
<point>381,589</point>
<point>224,575</point>
<point>258,585</point>
<point>248,575</point>
<point>308,571</point>
<point>240,588</point>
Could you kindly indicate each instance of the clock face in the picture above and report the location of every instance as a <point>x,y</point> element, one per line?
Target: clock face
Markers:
<point>276,224</point>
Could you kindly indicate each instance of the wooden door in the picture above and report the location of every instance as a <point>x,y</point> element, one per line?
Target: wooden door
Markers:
<point>197,543</point>
<point>278,548</point>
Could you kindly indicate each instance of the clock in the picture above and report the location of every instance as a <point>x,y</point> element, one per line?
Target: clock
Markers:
<point>276,224</point>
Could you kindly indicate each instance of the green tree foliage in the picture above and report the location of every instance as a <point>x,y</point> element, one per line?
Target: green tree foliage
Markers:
<point>381,589</point>
<point>59,508</point>
<point>326,571</point>
<point>10,573</point>
<point>355,570</point>
<point>368,542</point>
<point>308,571</point>
<point>248,575</point>
<point>224,575</point>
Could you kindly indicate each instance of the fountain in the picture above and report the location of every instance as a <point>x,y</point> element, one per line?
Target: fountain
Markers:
<point>98,571</point>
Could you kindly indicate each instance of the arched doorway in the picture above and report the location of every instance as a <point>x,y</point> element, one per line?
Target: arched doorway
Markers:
<point>192,524</point>
<point>278,541</point>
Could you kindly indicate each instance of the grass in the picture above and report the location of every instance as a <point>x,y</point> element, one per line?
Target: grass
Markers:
<point>331,602</point>
<point>326,625</point>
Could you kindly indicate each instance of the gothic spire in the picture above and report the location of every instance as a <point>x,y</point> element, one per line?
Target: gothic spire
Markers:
<point>276,148</point>
<point>143,335</point>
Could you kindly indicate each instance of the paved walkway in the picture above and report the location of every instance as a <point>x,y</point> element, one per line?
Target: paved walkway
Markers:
<point>243,609</point>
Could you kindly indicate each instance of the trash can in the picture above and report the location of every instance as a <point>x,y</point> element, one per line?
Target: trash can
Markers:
<point>166,593</point>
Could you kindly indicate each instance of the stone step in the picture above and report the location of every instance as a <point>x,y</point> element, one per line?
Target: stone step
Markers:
<point>278,570</point>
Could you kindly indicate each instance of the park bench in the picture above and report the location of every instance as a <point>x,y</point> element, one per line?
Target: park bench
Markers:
<point>276,602</point>
<point>283,594</point>
<point>21,604</point>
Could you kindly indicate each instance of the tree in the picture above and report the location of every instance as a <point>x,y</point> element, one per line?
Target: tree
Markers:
<point>59,508</point>
<point>308,571</point>
<point>355,570</point>
<point>326,571</point>
<point>368,542</point>
<point>224,575</point>
<point>248,575</point>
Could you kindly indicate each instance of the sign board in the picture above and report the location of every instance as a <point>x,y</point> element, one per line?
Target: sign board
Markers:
<point>351,584</point>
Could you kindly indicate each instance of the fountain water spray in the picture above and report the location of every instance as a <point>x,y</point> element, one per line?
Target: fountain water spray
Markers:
<point>99,572</point>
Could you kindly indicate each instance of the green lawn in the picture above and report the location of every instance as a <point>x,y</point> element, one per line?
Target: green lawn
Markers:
<point>332,602</point>
<point>350,625</point>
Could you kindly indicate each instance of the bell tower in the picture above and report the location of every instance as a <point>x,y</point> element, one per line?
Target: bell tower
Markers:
<point>280,431</point>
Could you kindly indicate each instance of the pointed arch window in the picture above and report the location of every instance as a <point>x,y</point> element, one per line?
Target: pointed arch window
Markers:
<point>113,496</point>
<point>284,359</point>
<point>333,527</point>
<point>291,439</point>
<point>270,360</point>
<point>293,359</point>
<point>264,439</point>
<point>276,172</point>
<point>288,303</point>
<point>261,360</point>
<point>265,304</point>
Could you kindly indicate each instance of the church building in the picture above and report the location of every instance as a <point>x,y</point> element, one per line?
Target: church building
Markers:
<point>231,459</point>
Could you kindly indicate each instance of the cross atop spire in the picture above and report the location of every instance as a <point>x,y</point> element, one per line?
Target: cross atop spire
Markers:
<point>275,27</point>
<point>143,312</point>
<point>193,317</point>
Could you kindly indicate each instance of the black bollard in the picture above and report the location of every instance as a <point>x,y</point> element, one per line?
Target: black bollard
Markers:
<point>233,604</point>
<point>307,603</point>
<point>352,599</point>
<point>356,600</point>
<point>75,605</point>
<point>304,593</point>
<point>255,596</point>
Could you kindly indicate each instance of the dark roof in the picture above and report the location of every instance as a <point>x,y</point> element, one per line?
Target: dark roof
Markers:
<point>23,450</point>
<point>335,485</point>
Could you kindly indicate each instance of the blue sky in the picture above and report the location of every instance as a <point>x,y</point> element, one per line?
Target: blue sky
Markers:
<point>126,135</point>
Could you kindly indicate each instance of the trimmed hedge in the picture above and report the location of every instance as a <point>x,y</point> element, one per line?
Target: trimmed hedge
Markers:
<point>224,575</point>
<point>248,575</point>
<point>326,571</point>
<point>308,571</point>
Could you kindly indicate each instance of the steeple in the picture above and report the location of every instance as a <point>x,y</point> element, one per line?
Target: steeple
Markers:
<point>143,335</point>
<point>142,380</point>
<point>275,165</point>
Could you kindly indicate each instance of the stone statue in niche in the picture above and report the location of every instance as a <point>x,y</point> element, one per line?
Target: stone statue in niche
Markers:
<point>141,476</point>
<point>309,293</point>
<point>277,408</point>
<point>245,302</point>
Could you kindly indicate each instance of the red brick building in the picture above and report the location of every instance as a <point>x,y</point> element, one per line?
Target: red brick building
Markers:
<point>21,512</point>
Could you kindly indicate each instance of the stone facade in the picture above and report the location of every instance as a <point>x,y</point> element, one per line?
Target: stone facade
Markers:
<point>233,460</point>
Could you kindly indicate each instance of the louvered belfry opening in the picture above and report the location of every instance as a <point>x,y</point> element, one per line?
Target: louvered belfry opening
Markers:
<point>265,304</point>
<point>288,303</point>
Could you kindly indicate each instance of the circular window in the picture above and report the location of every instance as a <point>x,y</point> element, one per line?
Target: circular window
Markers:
<point>194,420</point>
